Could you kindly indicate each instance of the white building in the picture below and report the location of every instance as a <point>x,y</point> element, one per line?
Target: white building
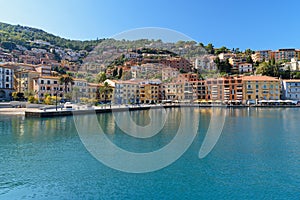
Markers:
<point>245,67</point>
<point>6,83</point>
<point>205,63</point>
<point>291,89</point>
<point>294,65</point>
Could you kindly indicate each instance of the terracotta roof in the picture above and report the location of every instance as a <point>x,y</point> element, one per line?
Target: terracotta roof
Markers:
<point>292,80</point>
<point>80,79</point>
<point>48,77</point>
<point>259,78</point>
<point>94,84</point>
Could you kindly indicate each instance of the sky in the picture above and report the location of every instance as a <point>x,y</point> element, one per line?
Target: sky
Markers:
<point>256,24</point>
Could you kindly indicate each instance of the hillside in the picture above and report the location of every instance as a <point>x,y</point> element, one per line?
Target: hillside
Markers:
<point>13,35</point>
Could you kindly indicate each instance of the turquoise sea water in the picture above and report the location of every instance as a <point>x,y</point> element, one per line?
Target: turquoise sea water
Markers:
<point>256,157</point>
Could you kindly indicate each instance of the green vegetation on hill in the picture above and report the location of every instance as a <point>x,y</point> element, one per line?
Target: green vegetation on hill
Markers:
<point>12,35</point>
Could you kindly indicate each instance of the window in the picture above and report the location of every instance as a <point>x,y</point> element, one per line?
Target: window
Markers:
<point>42,81</point>
<point>55,82</point>
<point>48,82</point>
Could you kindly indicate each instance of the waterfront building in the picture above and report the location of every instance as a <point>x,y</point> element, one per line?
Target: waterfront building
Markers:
<point>6,82</point>
<point>93,91</point>
<point>149,93</point>
<point>225,89</point>
<point>106,95</point>
<point>261,88</point>
<point>24,80</point>
<point>291,89</point>
<point>168,91</point>
<point>186,88</point>
<point>79,89</point>
<point>127,92</point>
<point>48,85</point>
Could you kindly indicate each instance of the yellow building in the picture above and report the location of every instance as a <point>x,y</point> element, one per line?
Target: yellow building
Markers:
<point>261,88</point>
<point>92,90</point>
<point>106,95</point>
<point>149,93</point>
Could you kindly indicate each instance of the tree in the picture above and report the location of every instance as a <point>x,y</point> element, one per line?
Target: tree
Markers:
<point>100,77</point>
<point>210,48</point>
<point>28,93</point>
<point>249,52</point>
<point>296,75</point>
<point>264,69</point>
<point>115,72</point>
<point>106,90</point>
<point>223,66</point>
<point>66,80</point>
<point>249,59</point>
<point>221,50</point>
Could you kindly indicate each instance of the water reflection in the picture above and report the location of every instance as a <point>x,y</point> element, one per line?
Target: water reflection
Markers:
<point>257,155</point>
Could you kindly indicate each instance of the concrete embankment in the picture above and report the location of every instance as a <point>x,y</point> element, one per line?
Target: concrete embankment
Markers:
<point>52,111</point>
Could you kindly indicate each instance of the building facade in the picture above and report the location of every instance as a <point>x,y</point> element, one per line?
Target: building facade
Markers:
<point>48,85</point>
<point>261,88</point>
<point>260,56</point>
<point>6,83</point>
<point>127,92</point>
<point>169,73</point>
<point>225,89</point>
<point>291,89</point>
<point>245,68</point>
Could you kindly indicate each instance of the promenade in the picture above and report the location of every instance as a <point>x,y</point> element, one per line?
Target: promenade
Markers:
<point>52,111</point>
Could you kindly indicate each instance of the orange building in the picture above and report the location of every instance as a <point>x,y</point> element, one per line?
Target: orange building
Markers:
<point>229,88</point>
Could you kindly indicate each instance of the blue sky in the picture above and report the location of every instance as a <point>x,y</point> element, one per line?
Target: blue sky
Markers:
<point>257,24</point>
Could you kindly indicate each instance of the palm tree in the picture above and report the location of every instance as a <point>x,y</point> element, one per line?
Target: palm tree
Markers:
<point>106,90</point>
<point>66,80</point>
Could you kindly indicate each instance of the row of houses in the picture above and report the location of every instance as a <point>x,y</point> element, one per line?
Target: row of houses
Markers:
<point>186,87</point>
<point>277,55</point>
<point>189,88</point>
<point>40,80</point>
